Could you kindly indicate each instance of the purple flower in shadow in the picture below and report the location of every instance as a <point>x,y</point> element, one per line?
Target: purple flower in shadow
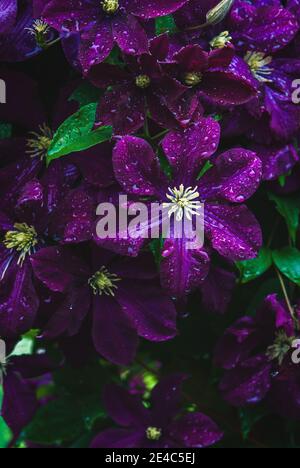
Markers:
<point>164,425</point>
<point>102,24</point>
<point>256,353</point>
<point>104,286</point>
<point>142,86</point>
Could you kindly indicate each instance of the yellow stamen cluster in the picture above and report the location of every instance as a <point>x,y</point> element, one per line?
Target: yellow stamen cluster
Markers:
<point>282,345</point>
<point>23,239</point>
<point>193,78</point>
<point>39,143</point>
<point>40,30</point>
<point>153,433</point>
<point>103,282</point>
<point>220,41</point>
<point>143,81</point>
<point>110,6</point>
<point>258,63</point>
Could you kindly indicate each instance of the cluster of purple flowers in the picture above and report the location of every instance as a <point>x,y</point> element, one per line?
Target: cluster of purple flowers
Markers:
<point>201,100</point>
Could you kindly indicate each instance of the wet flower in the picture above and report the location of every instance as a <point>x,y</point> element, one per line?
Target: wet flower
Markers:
<point>103,287</point>
<point>101,24</point>
<point>164,425</point>
<point>230,227</point>
<point>257,355</point>
<point>140,89</point>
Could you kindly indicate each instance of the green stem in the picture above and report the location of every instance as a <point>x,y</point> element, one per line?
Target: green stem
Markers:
<point>287,299</point>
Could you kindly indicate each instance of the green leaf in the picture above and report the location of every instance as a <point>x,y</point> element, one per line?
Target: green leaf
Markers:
<point>85,94</point>
<point>5,130</point>
<point>64,419</point>
<point>289,208</point>
<point>249,417</point>
<point>287,261</point>
<point>252,269</point>
<point>5,432</point>
<point>77,134</point>
<point>165,24</point>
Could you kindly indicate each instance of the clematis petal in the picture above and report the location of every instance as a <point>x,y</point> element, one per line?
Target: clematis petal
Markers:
<point>119,438</point>
<point>152,8</point>
<point>248,383</point>
<point>70,15</point>
<point>235,177</point>
<point>114,335</point>
<point>186,150</point>
<point>136,166</point>
<point>183,268</point>
<point>233,230</point>
<point>124,409</point>
<point>141,306</point>
<point>123,108</point>
<point>18,300</point>
<point>130,35</point>
<point>195,430</point>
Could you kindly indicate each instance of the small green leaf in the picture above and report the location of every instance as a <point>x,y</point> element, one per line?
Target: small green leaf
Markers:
<point>287,261</point>
<point>165,24</point>
<point>252,269</point>
<point>289,208</point>
<point>77,134</point>
<point>5,130</point>
<point>249,417</point>
<point>85,94</point>
<point>5,432</point>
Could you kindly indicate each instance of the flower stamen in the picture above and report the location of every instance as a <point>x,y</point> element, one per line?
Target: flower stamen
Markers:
<point>39,144</point>
<point>193,78</point>
<point>143,81</point>
<point>183,202</point>
<point>103,282</point>
<point>153,433</point>
<point>40,30</point>
<point>258,63</point>
<point>282,345</point>
<point>220,41</point>
<point>110,6</point>
<point>23,239</point>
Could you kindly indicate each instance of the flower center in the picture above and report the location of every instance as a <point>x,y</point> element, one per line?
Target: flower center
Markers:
<point>110,6</point>
<point>183,202</point>
<point>39,144</point>
<point>153,433</point>
<point>193,78</point>
<point>281,347</point>
<point>23,239</point>
<point>143,81</point>
<point>220,41</point>
<point>103,282</point>
<point>258,63</point>
<point>40,30</point>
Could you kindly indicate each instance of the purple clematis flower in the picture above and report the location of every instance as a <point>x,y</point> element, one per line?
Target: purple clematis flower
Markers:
<point>104,286</point>
<point>22,377</point>
<point>260,32</point>
<point>257,355</point>
<point>142,87</point>
<point>232,230</point>
<point>23,231</point>
<point>164,425</point>
<point>277,160</point>
<point>217,75</point>
<point>21,36</point>
<point>102,24</point>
